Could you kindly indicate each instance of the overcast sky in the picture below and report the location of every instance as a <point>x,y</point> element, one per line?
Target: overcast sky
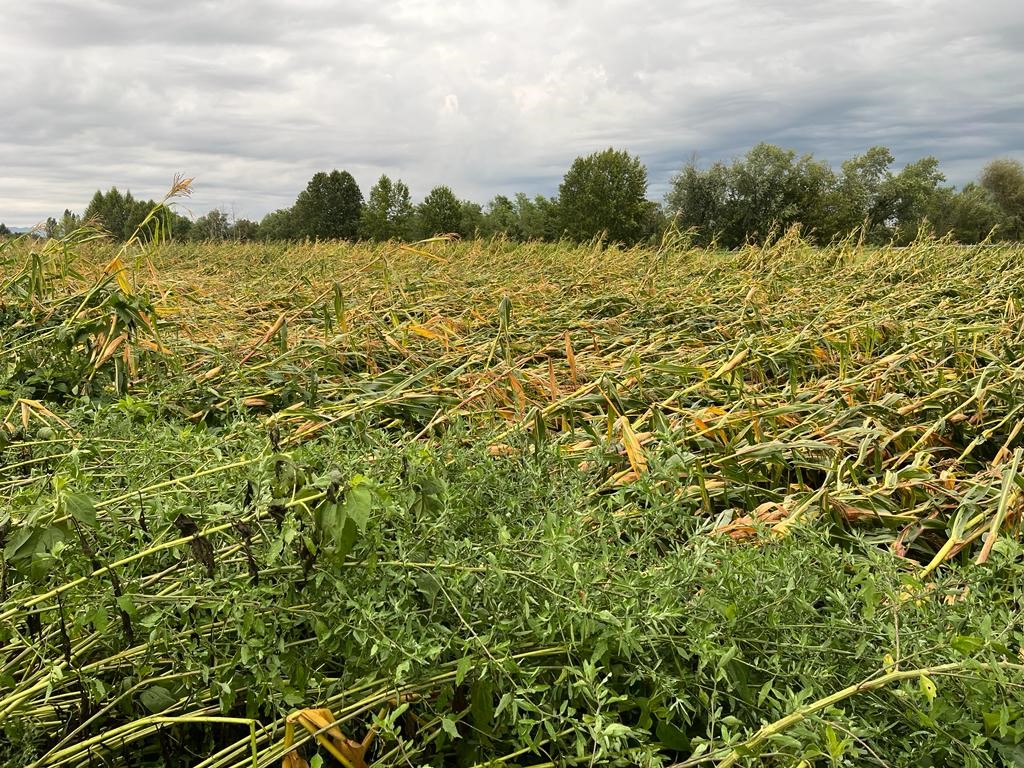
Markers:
<point>254,97</point>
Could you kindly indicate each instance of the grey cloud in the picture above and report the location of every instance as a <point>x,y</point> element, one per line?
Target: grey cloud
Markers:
<point>254,97</point>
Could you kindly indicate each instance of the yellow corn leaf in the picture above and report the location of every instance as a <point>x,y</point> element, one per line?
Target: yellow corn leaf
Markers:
<point>634,451</point>
<point>210,373</point>
<point>426,333</point>
<point>580,446</point>
<point>518,389</point>
<point>26,404</point>
<point>153,346</point>
<point>278,324</point>
<point>732,364</point>
<point>110,349</point>
<point>117,268</point>
<point>625,477</point>
<point>570,357</point>
<point>419,252</point>
<point>394,343</point>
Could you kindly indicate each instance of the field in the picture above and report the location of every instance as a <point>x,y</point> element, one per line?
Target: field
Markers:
<point>510,505</point>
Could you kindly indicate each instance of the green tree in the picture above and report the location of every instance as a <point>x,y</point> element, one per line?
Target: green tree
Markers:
<point>655,222</point>
<point>500,218</point>
<point>761,189</point>
<point>213,226</point>
<point>278,225</point>
<point>861,198</point>
<point>388,213</point>
<point>68,223</point>
<point>908,197</point>
<point>245,230</point>
<point>767,190</point>
<point>699,200</point>
<point>970,215</point>
<point>604,194</point>
<point>471,219</point>
<point>812,193</point>
<point>1003,179</point>
<point>4,230</point>
<point>114,211</point>
<point>329,208</point>
<point>539,218</point>
<point>121,214</point>
<point>440,213</point>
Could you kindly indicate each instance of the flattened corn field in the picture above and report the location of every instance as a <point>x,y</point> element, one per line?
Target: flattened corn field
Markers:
<point>510,505</point>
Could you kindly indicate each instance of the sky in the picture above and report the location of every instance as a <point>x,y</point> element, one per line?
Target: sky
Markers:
<point>252,98</point>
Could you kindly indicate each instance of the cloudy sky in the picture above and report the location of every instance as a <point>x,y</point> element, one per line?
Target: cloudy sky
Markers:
<point>254,97</point>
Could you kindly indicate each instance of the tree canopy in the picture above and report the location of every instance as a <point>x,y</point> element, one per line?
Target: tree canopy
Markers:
<point>440,213</point>
<point>329,207</point>
<point>750,199</point>
<point>121,215</point>
<point>388,213</point>
<point>770,189</point>
<point>1004,181</point>
<point>604,194</point>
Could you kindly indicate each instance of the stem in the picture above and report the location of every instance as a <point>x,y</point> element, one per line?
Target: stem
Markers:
<point>871,684</point>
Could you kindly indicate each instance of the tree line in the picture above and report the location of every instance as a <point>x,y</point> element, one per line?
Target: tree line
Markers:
<point>604,195</point>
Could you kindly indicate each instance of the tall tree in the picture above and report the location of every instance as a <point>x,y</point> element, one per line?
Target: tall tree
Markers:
<point>1004,180</point>
<point>970,215</point>
<point>471,219</point>
<point>500,219</point>
<point>213,226</point>
<point>440,213</point>
<point>329,207</point>
<point>539,218</point>
<point>761,189</point>
<point>121,215</point>
<point>604,194</point>
<point>278,225</point>
<point>245,230</point>
<point>861,199</point>
<point>699,200</point>
<point>68,223</point>
<point>114,211</point>
<point>770,188</point>
<point>908,197</point>
<point>388,212</point>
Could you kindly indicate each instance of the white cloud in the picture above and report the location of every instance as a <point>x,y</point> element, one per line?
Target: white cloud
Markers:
<point>254,97</point>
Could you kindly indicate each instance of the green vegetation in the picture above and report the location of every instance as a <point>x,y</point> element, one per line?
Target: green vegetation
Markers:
<point>603,195</point>
<point>329,207</point>
<point>514,505</point>
<point>440,213</point>
<point>388,214</point>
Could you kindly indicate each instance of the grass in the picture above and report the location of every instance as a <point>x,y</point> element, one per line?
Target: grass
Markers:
<point>511,504</point>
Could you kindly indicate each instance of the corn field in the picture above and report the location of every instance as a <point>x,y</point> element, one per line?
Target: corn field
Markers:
<point>496,504</point>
